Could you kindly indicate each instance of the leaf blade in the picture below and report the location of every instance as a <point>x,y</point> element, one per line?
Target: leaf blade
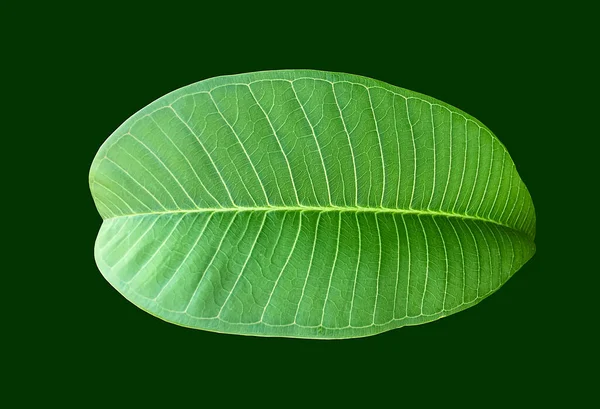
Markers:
<point>287,147</point>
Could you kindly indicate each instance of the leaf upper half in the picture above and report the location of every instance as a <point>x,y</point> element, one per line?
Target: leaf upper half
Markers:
<point>309,204</point>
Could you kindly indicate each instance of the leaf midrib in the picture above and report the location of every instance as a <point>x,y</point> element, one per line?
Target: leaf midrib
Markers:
<point>358,209</point>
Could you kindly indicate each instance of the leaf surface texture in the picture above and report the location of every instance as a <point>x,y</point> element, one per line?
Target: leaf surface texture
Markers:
<point>307,204</point>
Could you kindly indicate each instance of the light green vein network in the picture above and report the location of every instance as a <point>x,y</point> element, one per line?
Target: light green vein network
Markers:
<point>308,204</point>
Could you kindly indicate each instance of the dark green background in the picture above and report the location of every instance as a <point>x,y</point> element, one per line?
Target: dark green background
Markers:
<point>517,71</point>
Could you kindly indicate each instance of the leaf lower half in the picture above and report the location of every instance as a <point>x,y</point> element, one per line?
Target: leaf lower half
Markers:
<point>310,274</point>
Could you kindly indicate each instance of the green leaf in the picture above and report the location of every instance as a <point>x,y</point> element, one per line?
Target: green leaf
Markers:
<point>307,204</point>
